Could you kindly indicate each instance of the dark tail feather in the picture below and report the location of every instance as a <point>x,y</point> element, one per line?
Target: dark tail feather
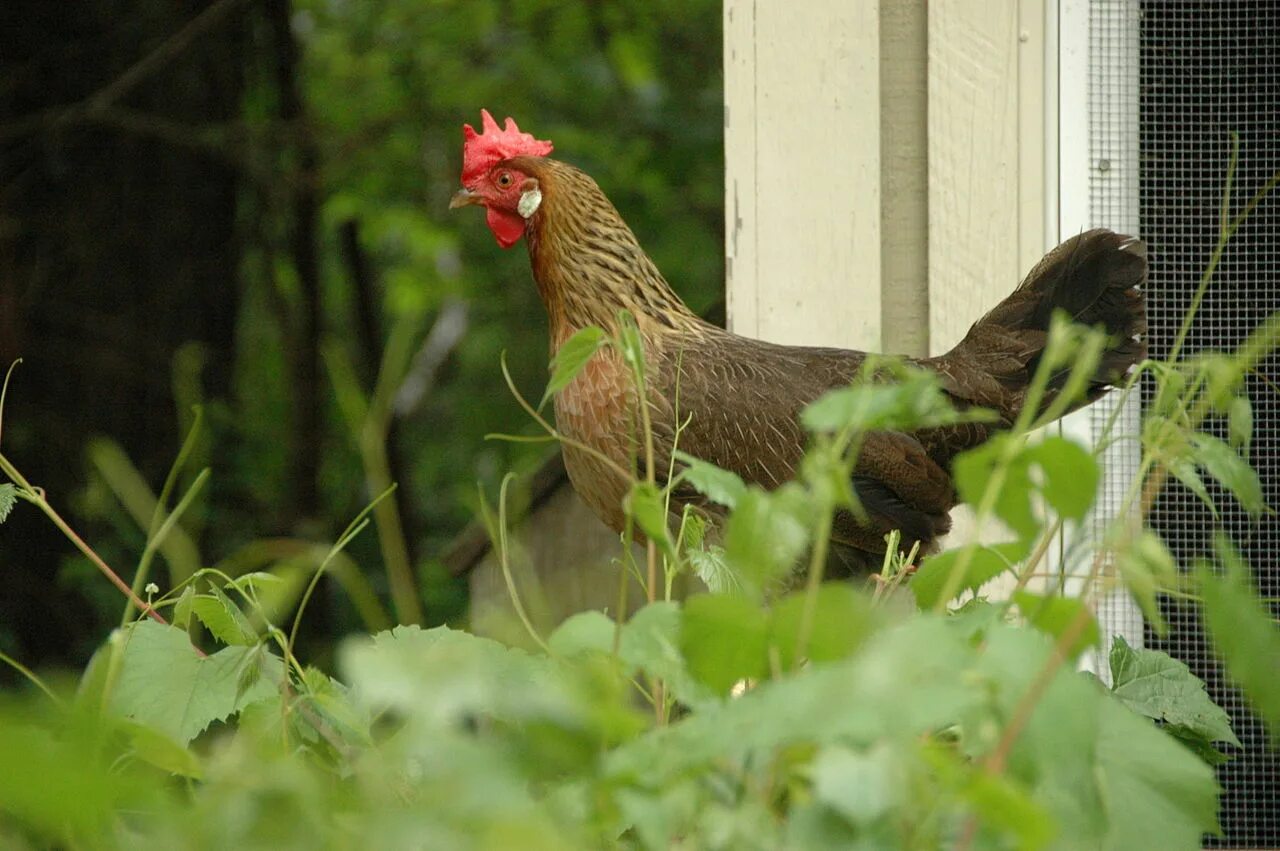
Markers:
<point>1097,278</point>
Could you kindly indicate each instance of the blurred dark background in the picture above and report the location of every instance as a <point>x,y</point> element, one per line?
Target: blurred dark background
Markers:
<point>238,205</point>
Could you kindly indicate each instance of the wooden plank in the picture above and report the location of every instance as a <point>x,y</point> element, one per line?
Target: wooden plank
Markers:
<point>904,178</point>
<point>973,162</point>
<point>987,166</point>
<point>802,160</point>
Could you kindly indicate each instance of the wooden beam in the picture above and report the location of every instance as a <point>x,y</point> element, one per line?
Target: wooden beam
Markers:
<point>802,160</point>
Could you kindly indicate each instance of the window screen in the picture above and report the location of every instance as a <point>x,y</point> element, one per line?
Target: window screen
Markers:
<point>1170,81</point>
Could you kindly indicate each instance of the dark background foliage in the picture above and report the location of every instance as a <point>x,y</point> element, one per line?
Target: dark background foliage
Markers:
<point>199,199</point>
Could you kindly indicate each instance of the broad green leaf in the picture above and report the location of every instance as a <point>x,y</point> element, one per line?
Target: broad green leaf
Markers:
<point>1235,474</point>
<point>911,399</point>
<point>165,685</point>
<point>8,497</point>
<point>158,749</point>
<point>1240,424</point>
<point>718,485</point>
<point>583,632</point>
<point>1155,793</point>
<point>1243,631</point>
<point>223,618</point>
<point>860,785</point>
<point>571,357</point>
<point>975,472</point>
<point>1147,567</point>
<point>1070,475</point>
<point>651,642</point>
<point>647,507</point>
<point>724,638</point>
<point>1158,686</point>
<point>766,534</point>
<point>985,564</point>
<point>1056,615</point>
<point>842,621</point>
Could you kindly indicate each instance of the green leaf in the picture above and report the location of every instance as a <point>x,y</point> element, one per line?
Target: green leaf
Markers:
<point>842,621</point>
<point>985,564</point>
<point>651,642</point>
<point>8,498</point>
<point>165,685</point>
<point>860,785</point>
<point>1160,687</point>
<point>584,632</point>
<point>975,471</point>
<point>223,618</point>
<point>571,357</point>
<point>158,749</point>
<point>766,534</point>
<point>1185,472</point>
<point>182,608</point>
<point>1240,424</point>
<point>719,486</point>
<point>647,506</point>
<point>1155,793</point>
<point>1231,470</point>
<point>724,638</point>
<point>1243,631</point>
<point>1056,615</point>
<point>911,399</point>
<point>1070,475</point>
<point>710,566</point>
<point>1147,567</point>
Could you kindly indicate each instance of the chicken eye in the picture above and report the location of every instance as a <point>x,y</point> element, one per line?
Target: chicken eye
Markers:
<point>505,180</point>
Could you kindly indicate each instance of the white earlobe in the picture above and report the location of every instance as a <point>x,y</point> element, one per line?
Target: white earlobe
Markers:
<point>529,202</point>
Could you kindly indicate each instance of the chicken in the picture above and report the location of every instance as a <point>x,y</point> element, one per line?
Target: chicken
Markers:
<point>742,397</point>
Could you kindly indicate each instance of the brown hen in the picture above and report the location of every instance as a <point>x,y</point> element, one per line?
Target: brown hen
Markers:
<point>742,397</point>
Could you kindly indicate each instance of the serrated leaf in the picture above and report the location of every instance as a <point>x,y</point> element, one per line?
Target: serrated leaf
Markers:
<point>165,685</point>
<point>724,638</point>
<point>571,357</point>
<point>766,534</point>
<point>1185,472</point>
<point>182,608</point>
<point>842,620</point>
<point>1235,474</point>
<point>1243,631</point>
<point>646,505</point>
<point>1240,424</point>
<point>912,399</point>
<point>720,486</point>
<point>1147,566</point>
<point>651,642</point>
<point>985,564</point>
<point>710,566</point>
<point>8,498</point>
<point>222,617</point>
<point>1160,687</point>
<point>1056,615</point>
<point>1070,475</point>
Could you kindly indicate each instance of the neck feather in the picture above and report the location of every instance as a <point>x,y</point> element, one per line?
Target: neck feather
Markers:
<point>588,264</point>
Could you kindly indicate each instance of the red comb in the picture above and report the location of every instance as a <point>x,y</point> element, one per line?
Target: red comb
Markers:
<point>480,151</point>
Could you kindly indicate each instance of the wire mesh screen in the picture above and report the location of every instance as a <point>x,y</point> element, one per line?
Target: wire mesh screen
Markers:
<point>1170,80</point>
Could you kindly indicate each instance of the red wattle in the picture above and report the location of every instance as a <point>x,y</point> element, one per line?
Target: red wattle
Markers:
<point>507,227</point>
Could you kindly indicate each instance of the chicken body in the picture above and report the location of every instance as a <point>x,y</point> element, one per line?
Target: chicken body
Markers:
<point>742,397</point>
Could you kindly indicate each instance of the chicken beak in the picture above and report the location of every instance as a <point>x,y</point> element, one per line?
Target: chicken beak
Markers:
<point>465,198</point>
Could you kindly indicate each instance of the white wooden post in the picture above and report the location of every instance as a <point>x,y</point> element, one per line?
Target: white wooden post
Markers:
<point>802,171</point>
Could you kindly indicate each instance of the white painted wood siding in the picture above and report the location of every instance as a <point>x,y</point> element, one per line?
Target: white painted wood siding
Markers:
<point>802,159</point>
